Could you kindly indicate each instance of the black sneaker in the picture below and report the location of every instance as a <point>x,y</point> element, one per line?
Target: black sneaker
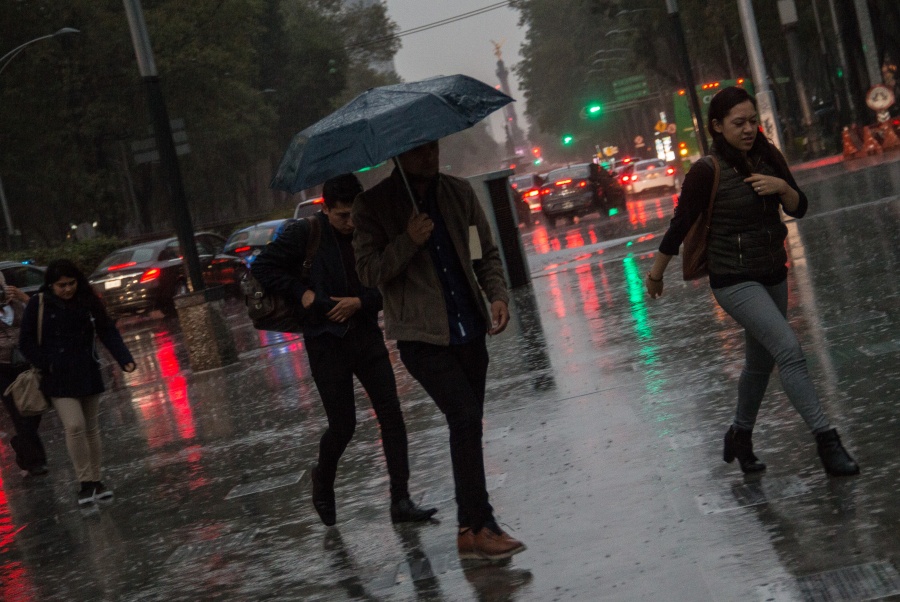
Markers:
<point>86,493</point>
<point>101,492</point>
<point>406,511</point>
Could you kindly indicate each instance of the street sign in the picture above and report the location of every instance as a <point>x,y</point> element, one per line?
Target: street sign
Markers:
<point>671,129</point>
<point>631,88</point>
<point>609,151</point>
<point>661,126</point>
<point>144,151</point>
<point>879,98</point>
<point>639,141</point>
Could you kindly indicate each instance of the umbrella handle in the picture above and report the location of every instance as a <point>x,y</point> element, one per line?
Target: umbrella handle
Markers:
<point>412,197</point>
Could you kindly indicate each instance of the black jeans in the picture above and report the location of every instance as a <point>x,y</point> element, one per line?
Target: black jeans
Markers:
<point>334,361</point>
<point>26,443</point>
<point>454,376</point>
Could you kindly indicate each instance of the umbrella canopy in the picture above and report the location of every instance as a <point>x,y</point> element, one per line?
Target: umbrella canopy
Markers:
<point>383,123</point>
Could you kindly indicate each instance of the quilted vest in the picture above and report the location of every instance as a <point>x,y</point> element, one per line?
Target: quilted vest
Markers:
<point>746,235</point>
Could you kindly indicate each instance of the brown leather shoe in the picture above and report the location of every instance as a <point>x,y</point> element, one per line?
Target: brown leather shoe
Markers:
<point>487,545</point>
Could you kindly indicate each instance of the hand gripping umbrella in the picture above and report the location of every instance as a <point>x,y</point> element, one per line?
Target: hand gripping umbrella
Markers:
<point>382,123</point>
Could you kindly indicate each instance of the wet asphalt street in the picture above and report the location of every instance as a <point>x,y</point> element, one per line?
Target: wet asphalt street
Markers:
<point>603,433</point>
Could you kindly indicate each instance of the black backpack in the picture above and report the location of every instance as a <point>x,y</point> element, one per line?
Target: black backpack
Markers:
<point>270,310</point>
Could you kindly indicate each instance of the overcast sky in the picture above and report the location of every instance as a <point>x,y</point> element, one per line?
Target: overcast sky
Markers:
<point>461,47</point>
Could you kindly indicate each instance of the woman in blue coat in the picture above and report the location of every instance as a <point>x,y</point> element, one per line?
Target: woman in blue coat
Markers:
<point>73,319</point>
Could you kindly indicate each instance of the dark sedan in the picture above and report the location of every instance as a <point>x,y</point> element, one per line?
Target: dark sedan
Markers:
<point>148,276</point>
<point>249,242</point>
<point>578,190</point>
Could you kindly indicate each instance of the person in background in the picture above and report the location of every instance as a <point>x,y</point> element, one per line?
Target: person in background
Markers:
<point>67,356</point>
<point>342,339</point>
<point>748,270</point>
<point>30,454</point>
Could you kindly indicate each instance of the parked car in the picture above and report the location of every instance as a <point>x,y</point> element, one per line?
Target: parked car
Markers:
<point>307,208</point>
<point>249,242</point>
<point>649,174</point>
<point>148,276</point>
<point>26,277</point>
<point>578,190</point>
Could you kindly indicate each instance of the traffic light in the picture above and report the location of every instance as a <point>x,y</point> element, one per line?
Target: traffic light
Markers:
<point>568,139</point>
<point>682,149</point>
<point>594,110</point>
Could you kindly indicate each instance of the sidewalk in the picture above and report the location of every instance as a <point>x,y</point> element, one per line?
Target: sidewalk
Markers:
<point>602,440</point>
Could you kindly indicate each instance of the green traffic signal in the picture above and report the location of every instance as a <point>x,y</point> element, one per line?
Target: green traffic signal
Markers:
<point>567,140</point>
<point>594,110</point>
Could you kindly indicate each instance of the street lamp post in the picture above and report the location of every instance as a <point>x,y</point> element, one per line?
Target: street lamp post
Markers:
<point>164,142</point>
<point>5,60</point>
<point>672,7</point>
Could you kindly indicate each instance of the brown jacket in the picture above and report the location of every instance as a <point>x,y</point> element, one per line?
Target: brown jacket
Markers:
<point>386,257</point>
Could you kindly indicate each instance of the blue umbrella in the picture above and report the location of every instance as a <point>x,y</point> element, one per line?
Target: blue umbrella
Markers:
<point>382,123</point>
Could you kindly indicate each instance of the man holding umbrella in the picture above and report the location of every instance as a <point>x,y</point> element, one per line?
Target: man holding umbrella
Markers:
<point>432,256</point>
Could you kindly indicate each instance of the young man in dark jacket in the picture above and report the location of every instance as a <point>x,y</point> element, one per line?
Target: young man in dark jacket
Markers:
<point>434,264</point>
<point>342,339</point>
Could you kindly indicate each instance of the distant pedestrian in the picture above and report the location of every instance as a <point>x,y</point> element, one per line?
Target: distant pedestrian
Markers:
<point>74,318</point>
<point>343,339</point>
<point>432,266</point>
<point>30,454</point>
<point>748,269</point>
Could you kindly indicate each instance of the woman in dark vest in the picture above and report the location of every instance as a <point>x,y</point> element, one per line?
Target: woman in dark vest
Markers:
<point>67,355</point>
<point>748,269</point>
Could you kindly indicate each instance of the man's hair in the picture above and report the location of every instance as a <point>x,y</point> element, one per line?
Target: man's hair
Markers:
<point>341,189</point>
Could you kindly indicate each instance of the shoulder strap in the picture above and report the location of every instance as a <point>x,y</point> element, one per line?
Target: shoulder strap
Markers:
<point>717,172</point>
<point>312,244</point>
<point>40,325</point>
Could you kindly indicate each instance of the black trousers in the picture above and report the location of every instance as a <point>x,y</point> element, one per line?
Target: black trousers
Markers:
<point>334,361</point>
<point>454,376</point>
<point>26,443</point>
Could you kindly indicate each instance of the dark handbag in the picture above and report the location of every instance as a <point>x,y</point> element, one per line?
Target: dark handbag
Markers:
<point>26,389</point>
<point>694,263</point>
<point>274,311</point>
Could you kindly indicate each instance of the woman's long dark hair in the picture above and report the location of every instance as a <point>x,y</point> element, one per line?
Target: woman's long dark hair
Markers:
<point>719,107</point>
<point>84,294</point>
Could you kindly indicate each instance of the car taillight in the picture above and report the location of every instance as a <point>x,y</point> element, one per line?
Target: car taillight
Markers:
<point>150,275</point>
<point>582,184</point>
<point>545,191</point>
<point>670,171</point>
<point>634,178</point>
<point>240,250</point>
<point>120,266</point>
<point>514,186</point>
<point>532,192</point>
<point>563,182</point>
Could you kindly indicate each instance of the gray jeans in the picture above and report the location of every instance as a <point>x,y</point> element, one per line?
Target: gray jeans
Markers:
<point>769,339</point>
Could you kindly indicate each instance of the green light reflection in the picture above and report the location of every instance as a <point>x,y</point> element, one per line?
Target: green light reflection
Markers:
<point>641,323</point>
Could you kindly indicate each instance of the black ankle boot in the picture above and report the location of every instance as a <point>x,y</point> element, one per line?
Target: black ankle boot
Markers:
<point>835,458</point>
<point>323,497</point>
<point>738,444</point>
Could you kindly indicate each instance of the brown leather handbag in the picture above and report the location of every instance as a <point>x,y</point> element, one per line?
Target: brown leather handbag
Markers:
<point>26,389</point>
<point>694,263</point>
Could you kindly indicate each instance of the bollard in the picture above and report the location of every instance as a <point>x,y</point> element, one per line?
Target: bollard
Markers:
<point>206,334</point>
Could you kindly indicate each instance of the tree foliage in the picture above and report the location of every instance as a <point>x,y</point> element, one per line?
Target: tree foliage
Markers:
<point>576,49</point>
<point>243,75</point>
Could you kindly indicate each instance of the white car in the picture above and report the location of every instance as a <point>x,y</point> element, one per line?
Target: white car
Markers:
<point>649,174</point>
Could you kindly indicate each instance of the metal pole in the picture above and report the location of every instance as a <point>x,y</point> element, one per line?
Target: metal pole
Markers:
<point>765,100</point>
<point>7,219</point>
<point>165,144</point>
<point>672,6</point>
<point>870,50</point>
<point>842,60</point>
<point>787,11</point>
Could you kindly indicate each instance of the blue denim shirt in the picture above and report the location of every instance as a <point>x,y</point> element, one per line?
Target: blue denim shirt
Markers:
<point>466,322</point>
